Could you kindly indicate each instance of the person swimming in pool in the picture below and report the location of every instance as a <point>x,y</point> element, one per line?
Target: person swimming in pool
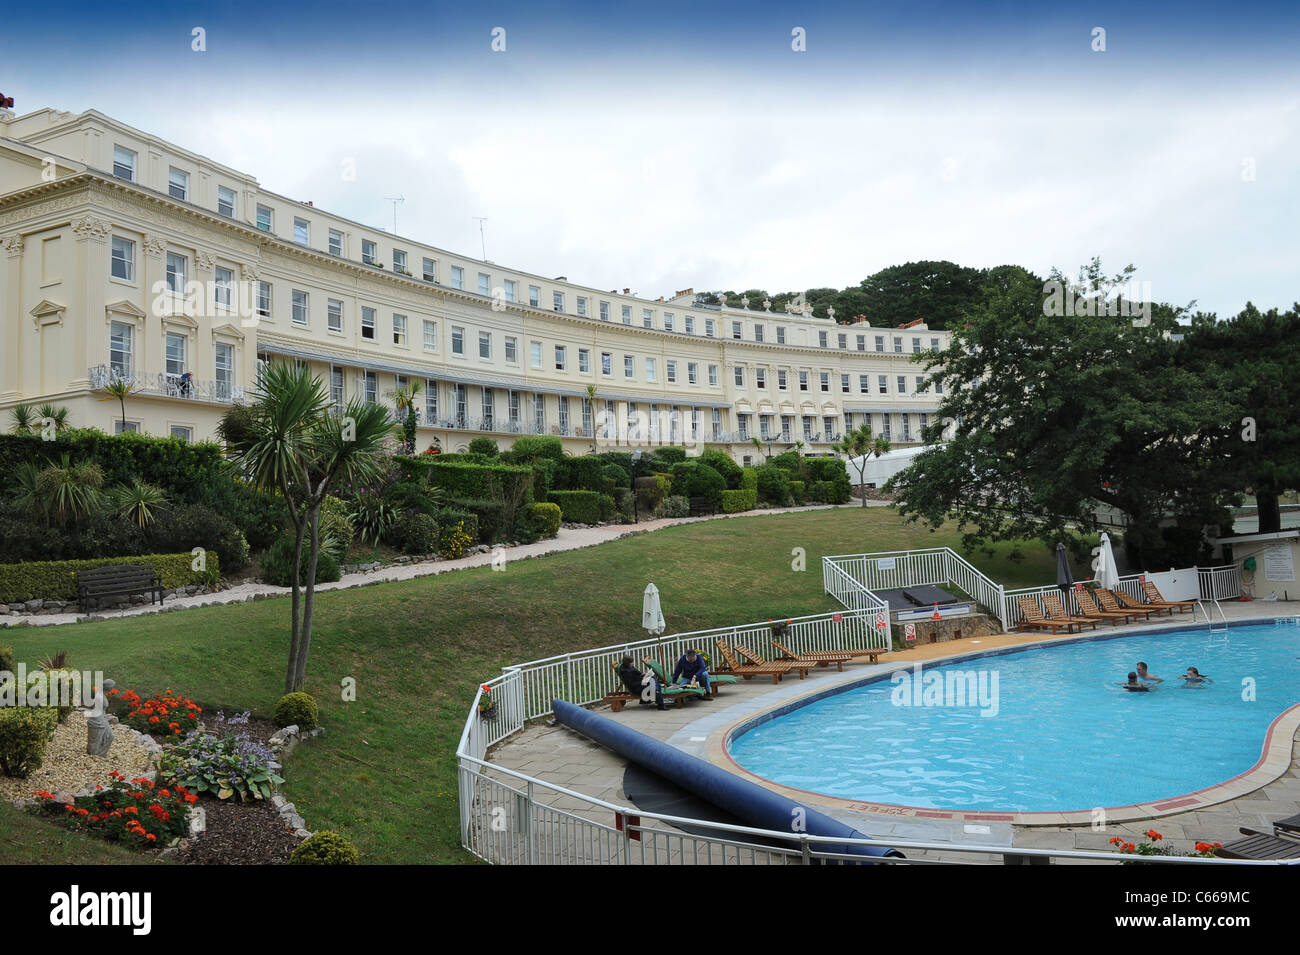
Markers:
<point>1194,678</point>
<point>1134,685</point>
<point>1145,676</point>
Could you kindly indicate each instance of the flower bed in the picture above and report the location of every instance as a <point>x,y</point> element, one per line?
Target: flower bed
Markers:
<point>136,811</point>
<point>164,715</point>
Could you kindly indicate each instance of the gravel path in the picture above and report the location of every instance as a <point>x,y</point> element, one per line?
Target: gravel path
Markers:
<point>68,769</point>
<point>569,538</point>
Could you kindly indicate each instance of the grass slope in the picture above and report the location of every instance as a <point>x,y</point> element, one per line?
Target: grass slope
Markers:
<point>384,773</point>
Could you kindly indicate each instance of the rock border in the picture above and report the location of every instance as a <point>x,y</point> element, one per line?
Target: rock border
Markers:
<point>283,742</point>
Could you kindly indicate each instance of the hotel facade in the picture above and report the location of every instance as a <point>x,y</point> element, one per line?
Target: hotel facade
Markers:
<point>127,257</point>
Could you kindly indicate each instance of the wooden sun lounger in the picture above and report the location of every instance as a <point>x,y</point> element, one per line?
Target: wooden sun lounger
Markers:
<point>774,670</point>
<point>820,657</point>
<point>715,679</point>
<point>1153,596</point>
<point>1056,611</point>
<point>1111,604</point>
<point>1090,609</point>
<point>1129,602</point>
<point>1260,845</point>
<point>674,695</point>
<point>758,661</point>
<point>1034,617</point>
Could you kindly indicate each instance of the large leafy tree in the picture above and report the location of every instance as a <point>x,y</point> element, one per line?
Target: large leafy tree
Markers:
<point>293,441</point>
<point>1054,414</point>
<point>941,293</point>
<point>1252,358</point>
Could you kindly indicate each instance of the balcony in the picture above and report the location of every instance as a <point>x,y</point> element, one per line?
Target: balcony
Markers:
<point>169,386</point>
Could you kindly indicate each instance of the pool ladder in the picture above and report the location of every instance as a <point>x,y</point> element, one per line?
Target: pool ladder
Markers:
<point>1214,628</point>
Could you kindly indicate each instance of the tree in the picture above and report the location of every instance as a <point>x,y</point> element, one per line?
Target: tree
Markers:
<point>292,441</point>
<point>941,293</point>
<point>1252,360</point>
<point>1056,413</point>
<point>119,388</point>
<point>24,419</point>
<point>591,403</point>
<point>404,401</point>
<point>860,444</point>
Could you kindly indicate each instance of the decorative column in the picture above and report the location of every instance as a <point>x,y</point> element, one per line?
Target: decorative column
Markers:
<point>90,269</point>
<point>11,330</point>
<point>150,360</point>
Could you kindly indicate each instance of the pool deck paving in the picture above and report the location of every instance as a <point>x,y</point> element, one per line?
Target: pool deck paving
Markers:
<point>563,758</point>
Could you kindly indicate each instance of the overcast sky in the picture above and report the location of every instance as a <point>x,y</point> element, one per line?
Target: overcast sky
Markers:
<point>665,146</point>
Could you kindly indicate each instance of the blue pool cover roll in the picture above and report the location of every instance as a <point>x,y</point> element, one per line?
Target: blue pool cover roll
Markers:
<point>749,802</point>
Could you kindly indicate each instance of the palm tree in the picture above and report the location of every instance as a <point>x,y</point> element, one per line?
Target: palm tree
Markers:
<point>861,445</point>
<point>118,388</point>
<point>591,400</point>
<point>136,502</point>
<point>55,414</point>
<point>404,400</point>
<point>758,445</point>
<point>23,418</point>
<point>292,441</point>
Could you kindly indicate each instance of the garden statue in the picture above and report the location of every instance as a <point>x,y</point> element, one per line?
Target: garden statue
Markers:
<point>99,731</point>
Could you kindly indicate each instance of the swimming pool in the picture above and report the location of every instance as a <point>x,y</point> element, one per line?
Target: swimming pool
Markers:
<point>1058,735</point>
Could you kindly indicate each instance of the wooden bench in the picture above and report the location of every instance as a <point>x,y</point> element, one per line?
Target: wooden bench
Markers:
<point>124,580</point>
<point>699,506</point>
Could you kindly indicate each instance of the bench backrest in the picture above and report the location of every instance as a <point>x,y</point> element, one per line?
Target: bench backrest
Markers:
<point>120,575</point>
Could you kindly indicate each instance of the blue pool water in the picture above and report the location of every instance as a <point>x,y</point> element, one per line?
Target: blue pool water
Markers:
<point>1062,738</point>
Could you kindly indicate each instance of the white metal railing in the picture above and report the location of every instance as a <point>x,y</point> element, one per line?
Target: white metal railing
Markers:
<point>913,568</point>
<point>1219,583</point>
<point>509,818</point>
<point>170,386</point>
<point>1013,615</point>
<point>588,675</point>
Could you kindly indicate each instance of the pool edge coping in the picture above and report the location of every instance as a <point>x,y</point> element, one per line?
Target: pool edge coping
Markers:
<point>1274,760</point>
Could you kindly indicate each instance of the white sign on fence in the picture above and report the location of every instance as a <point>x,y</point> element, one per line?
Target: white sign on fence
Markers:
<point>886,563</point>
<point>1278,564</point>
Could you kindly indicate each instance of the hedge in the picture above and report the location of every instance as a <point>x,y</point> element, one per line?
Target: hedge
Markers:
<point>772,483</point>
<point>748,479</point>
<point>57,580</point>
<point>724,464</point>
<point>581,507</point>
<point>538,521</point>
<point>734,502</point>
<point>474,481</point>
<point>693,479</point>
<point>798,491</point>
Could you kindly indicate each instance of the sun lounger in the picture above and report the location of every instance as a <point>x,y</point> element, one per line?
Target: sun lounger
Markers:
<point>1260,845</point>
<point>715,679</point>
<point>1153,596</point>
<point>755,660</point>
<point>820,657</point>
<point>1129,602</point>
<point>734,666</point>
<point>1034,617</point>
<point>1056,611</point>
<point>1090,609</point>
<point>676,695</point>
<point>1110,604</point>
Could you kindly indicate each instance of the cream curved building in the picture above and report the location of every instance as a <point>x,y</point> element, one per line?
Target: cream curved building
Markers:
<point>127,257</point>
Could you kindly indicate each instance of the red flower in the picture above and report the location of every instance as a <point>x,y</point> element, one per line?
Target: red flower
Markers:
<point>1152,834</point>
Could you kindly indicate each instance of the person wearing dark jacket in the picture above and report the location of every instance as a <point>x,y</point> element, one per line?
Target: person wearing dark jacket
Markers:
<point>637,683</point>
<point>690,667</point>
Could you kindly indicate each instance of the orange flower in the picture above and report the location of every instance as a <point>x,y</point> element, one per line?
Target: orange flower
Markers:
<point>1152,834</point>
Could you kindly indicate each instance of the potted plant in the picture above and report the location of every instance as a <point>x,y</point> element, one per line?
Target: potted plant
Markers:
<point>487,706</point>
<point>780,628</point>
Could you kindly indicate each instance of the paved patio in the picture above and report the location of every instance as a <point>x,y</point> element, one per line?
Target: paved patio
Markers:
<point>564,758</point>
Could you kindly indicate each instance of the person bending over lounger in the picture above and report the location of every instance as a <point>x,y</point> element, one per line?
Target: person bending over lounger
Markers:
<point>1194,678</point>
<point>644,685</point>
<point>1146,677</point>
<point>691,667</point>
<point>1134,685</point>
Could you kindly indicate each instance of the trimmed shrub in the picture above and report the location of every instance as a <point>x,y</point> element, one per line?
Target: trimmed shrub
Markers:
<point>668,455</point>
<point>724,464</point>
<point>484,445</point>
<point>580,507</point>
<point>789,460</point>
<point>477,482</point>
<point>693,479</point>
<point>748,479</point>
<point>530,448</point>
<point>448,516</point>
<point>615,477</point>
<point>799,491</point>
<point>740,500</point>
<point>277,565</point>
<point>416,533</point>
<point>57,580</point>
<point>652,490</point>
<point>298,709</point>
<point>325,848</point>
<point>25,731</point>
<point>772,484</point>
<point>675,506</point>
<point>199,526</point>
<point>537,521</point>
<point>489,517</point>
<point>583,475</point>
<point>336,527</point>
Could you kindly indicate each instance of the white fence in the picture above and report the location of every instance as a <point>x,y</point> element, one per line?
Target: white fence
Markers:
<point>1219,583</point>
<point>939,566</point>
<point>1215,583</point>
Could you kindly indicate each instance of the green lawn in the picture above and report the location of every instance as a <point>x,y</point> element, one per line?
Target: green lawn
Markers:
<point>384,772</point>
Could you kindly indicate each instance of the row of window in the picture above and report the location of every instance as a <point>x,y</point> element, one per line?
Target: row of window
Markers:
<point>824,382</point>
<point>830,432</point>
